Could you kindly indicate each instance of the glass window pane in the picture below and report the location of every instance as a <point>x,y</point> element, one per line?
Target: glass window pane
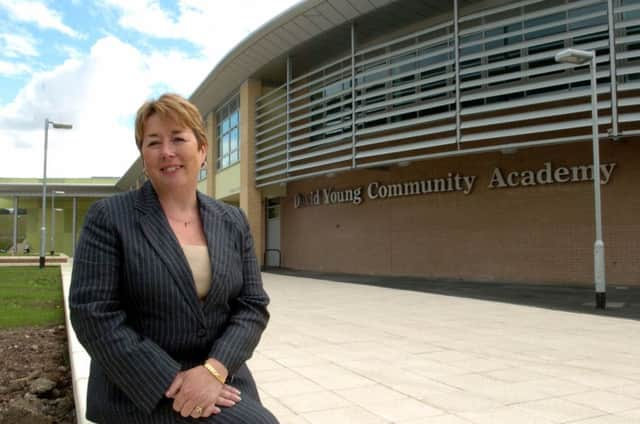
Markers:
<point>225,145</point>
<point>234,119</point>
<point>234,139</point>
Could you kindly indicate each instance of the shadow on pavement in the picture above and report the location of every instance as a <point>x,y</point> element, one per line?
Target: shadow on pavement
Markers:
<point>622,301</point>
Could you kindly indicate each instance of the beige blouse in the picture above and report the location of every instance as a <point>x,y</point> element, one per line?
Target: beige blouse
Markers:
<point>198,258</point>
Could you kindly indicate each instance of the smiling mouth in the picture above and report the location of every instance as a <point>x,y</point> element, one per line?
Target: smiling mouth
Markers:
<point>171,168</point>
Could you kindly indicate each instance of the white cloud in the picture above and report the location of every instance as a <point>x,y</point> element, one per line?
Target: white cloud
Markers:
<point>38,13</point>
<point>144,16</point>
<point>99,94</point>
<point>177,71</point>
<point>10,69</point>
<point>13,45</point>
<point>70,52</point>
<point>204,23</point>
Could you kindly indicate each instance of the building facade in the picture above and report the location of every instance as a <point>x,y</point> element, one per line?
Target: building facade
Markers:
<point>433,139</point>
<point>67,202</point>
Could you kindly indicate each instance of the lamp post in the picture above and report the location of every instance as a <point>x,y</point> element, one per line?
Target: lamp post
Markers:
<point>581,57</point>
<point>53,219</point>
<point>43,229</point>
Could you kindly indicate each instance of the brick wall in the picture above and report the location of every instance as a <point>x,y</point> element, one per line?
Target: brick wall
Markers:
<point>542,233</point>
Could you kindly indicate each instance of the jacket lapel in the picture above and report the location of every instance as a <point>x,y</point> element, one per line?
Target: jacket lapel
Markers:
<point>156,229</point>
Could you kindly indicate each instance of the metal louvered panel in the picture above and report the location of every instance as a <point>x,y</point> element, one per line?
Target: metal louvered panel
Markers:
<point>267,157</point>
<point>323,152</point>
<point>407,147</point>
<point>277,115</point>
<point>398,97</point>
<point>271,165</point>
<point>319,163</point>
<point>525,116</point>
<point>401,135</point>
<point>320,142</point>
<point>407,123</point>
<point>530,129</point>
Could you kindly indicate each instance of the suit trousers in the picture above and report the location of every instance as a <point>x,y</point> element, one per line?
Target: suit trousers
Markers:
<point>248,411</point>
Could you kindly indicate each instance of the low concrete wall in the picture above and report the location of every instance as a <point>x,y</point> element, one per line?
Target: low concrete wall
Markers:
<point>33,260</point>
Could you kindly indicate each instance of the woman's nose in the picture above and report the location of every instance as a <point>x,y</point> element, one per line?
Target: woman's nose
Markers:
<point>167,150</point>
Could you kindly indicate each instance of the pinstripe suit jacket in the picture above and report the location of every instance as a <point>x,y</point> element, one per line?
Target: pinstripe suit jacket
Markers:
<point>134,307</point>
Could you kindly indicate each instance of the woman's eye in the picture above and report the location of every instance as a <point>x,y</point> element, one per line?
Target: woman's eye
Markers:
<point>178,140</point>
<point>152,143</point>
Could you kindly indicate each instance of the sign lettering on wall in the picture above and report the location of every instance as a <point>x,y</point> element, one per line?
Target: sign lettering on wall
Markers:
<point>454,182</point>
<point>549,175</point>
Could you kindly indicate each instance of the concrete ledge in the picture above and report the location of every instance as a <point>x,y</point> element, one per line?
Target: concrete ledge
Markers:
<point>33,260</point>
<point>79,359</point>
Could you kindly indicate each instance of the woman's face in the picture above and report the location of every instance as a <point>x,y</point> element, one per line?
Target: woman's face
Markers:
<point>170,154</point>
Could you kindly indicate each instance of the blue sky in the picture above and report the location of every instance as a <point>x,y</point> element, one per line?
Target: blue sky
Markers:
<point>92,63</point>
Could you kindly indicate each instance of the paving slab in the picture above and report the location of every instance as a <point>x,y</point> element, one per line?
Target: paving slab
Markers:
<point>339,352</point>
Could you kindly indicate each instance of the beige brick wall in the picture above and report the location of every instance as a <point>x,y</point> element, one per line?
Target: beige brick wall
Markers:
<point>524,234</point>
<point>250,196</point>
<point>211,126</point>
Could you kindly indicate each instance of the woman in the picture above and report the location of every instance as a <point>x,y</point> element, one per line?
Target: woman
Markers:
<point>166,294</point>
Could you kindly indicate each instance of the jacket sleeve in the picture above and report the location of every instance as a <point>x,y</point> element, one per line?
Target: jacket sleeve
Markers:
<point>136,365</point>
<point>249,315</point>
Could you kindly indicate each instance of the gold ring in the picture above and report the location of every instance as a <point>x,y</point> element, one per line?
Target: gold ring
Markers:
<point>197,410</point>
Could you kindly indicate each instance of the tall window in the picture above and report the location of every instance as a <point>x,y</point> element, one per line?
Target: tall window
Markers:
<point>228,133</point>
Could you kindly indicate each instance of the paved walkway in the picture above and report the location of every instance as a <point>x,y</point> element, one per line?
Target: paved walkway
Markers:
<point>339,353</point>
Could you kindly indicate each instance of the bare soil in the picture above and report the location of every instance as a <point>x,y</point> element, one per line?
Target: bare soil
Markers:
<point>35,378</point>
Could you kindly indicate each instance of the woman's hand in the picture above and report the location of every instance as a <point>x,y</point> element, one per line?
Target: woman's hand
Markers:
<point>228,397</point>
<point>197,394</point>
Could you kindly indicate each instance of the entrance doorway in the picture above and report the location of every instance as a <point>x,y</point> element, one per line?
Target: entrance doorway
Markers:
<point>272,251</point>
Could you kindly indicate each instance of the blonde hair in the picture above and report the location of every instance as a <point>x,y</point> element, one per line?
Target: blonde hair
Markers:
<point>173,106</point>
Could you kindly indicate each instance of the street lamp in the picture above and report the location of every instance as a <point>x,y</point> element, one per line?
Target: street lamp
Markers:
<point>53,219</point>
<point>581,57</point>
<point>43,229</point>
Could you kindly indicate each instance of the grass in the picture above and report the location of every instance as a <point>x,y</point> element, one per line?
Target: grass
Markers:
<point>30,296</point>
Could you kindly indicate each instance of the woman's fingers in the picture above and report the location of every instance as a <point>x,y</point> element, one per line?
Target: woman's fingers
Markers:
<point>228,396</point>
<point>210,410</point>
<point>233,389</point>
<point>188,408</point>
<point>228,403</point>
<point>175,386</point>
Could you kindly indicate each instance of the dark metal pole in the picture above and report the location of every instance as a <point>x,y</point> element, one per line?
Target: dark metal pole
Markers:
<point>43,228</point>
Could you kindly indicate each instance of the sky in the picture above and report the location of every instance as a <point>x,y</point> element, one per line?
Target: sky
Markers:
<point>93,63</point>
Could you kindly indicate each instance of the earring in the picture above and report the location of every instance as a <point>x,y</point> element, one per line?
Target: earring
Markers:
<point>204,164</point>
